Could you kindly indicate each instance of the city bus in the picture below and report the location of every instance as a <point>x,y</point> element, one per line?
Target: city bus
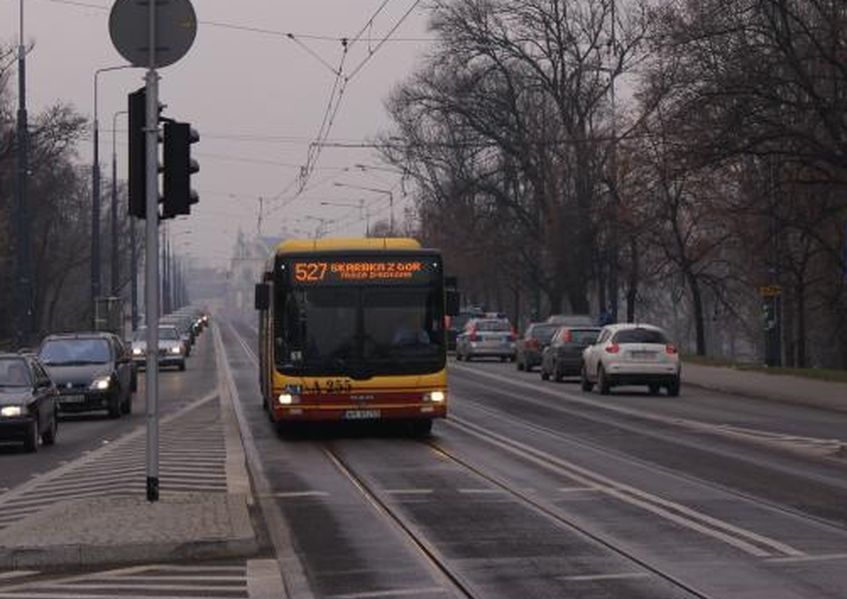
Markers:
<point>354,329</point>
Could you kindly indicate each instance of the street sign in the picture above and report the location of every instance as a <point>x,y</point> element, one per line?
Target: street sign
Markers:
<point>129,28</point>
<point>770,291</point>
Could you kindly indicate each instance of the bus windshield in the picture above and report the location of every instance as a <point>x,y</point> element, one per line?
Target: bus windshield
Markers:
<point>360,331</point>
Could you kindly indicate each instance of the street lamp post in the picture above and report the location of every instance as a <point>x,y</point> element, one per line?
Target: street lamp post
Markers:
<point>387,192</point>
<point>25,284</point>
<point>95,190</point>
<point>115,254</point>
<point>363,212</point>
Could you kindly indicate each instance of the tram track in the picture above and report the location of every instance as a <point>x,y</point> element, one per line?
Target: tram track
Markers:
<point>771,506</point>
<point>452,580</point>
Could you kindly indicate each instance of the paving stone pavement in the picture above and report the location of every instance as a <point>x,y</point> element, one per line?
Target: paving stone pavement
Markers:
<point>192,460</point>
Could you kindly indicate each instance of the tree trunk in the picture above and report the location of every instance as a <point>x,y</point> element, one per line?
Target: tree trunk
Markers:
<point>633,280</point>
<point>800,300</point>
<point>697,306</point>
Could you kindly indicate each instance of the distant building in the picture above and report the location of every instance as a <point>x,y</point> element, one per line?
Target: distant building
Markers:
<point>246,266</point>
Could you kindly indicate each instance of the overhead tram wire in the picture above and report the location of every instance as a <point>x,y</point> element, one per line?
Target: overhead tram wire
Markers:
<point>316,147</point>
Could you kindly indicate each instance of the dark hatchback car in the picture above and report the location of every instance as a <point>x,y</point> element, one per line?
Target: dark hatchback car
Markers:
<point>27,402</point>
<point>563,357</point>
<point>92,371</point>
<point>530,347</point>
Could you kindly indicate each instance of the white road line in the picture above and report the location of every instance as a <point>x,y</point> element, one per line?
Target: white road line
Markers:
<point>17,574</point>
<point>733,535</point>
<point>807,558</point>
<point>296,494</point>
<point>726,430</point>
<point>392,593</point>
<point>263,579</point>
<point>593,577</point>
<point>481,491</point>
<point>408,491</point>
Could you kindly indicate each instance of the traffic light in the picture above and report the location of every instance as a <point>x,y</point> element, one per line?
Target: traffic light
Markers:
<point>137,117</point>
<point>137,153</point>
<point>179,166</point>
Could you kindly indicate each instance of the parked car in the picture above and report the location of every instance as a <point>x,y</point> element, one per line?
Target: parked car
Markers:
<point>172,347</point>
<point>28,408</point>
<point>91,371</point>
<point>528,349</point>
<point>631,354</point>
<point>457,324</point>
<point>486,338</point>
<point>563,356</point>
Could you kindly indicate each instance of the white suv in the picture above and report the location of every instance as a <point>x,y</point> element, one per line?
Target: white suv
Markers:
<point>631,354</point>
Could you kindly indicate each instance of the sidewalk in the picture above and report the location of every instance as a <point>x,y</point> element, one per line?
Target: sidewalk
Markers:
<point>93,511</point>
<point>773,387</point>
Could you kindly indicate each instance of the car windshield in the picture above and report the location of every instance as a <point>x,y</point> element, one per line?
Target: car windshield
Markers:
<point>543,332</point>
<point>361,331</point>
<point>584,336</point>
<point>14,373</point>
<point>56,352</point>
<point>640,336</point>
<point>167,333</point>
<point>493,325</point>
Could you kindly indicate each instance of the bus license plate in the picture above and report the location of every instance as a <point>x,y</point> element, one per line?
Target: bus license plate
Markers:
<point>361,414</point>
<point>72,398</point>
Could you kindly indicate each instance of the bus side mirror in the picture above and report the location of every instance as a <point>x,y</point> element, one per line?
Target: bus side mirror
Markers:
<point>453,302</point>
<point>262,298</point>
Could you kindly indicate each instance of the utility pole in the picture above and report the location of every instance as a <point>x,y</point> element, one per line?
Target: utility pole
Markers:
<point>115,254</point>
<point>133,267</point>
<point>25,284</point>
<point>613,162</point>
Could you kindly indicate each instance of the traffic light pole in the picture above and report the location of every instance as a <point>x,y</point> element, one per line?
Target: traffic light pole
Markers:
<point>152,266</point>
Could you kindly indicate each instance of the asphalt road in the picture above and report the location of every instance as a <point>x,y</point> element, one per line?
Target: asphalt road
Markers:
<point>534,489</point>
<point>80,433</point>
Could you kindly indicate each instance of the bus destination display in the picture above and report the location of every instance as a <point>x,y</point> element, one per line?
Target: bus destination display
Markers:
<point>361,271</point>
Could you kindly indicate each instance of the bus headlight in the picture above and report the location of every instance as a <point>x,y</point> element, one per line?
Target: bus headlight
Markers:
<point>137,351</point>
<point>286,399</point>
<point>11,411</point>
<point>435,396</point>
<point>176,350</point>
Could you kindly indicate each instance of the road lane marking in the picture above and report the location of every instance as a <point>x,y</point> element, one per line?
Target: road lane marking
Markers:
<point>481,491</point>
<point>295,494</point>
<point>593,577</point>
<point>408,491</point>
<point>735,536</point>
<point>17,574</point>
<point>807,558</point>
<point>392,593</point>
<point>784,440</point>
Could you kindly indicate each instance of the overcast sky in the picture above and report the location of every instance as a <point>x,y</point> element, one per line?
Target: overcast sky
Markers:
<point>257,98</point>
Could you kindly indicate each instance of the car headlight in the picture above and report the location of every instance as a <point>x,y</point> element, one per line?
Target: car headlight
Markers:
<point>11,411</point>
<point>435,396</point>
<point>176,350</point>
<point>137,351</point>
<point>102,383</point>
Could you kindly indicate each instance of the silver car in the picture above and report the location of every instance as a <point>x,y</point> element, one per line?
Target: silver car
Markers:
<point>486,338</point>
<point>172,349</point>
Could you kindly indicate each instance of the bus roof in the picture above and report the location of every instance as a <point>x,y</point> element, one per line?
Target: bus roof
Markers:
<point>347,243</point>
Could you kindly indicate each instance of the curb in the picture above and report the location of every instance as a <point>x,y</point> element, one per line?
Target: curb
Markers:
<point>809,402</point>
<point>86,556</point>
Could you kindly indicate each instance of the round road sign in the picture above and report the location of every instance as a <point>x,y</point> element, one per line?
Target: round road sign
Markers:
<point>129,28</point>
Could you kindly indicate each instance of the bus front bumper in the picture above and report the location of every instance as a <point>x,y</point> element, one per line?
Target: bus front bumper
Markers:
<point>338,413</point>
